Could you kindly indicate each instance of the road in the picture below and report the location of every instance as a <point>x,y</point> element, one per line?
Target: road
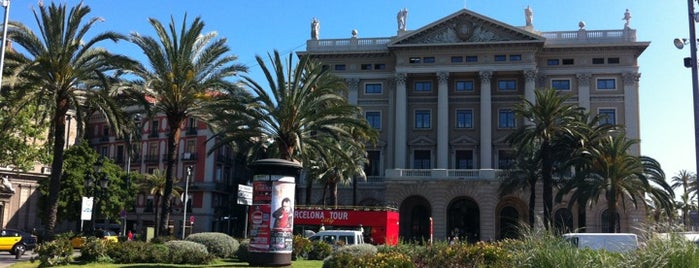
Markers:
<point>7,259</point>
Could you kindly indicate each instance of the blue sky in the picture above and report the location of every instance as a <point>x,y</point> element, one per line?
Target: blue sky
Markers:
<point>258,27</point>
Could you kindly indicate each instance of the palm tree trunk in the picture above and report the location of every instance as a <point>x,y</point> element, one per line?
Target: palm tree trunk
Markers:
<point>611,209</point>
<point>309,189</point>
<point>173,140</point>
<point>333,195</point>
<point>59,129</point>
<point>547,178</point>
<point>532,204</point>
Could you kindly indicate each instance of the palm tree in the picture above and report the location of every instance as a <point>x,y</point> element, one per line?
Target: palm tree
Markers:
<point>547,118</point>
<point>62,69</point>
<point>187,67</point>
<point>608,170</point>
<point>154,184</point>
<point>684,179</point>
<point>335,169</point>
<point>523,176</point>
<point>290,118</point>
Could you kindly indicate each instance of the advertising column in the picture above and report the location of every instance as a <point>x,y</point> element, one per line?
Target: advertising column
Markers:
<point>271,216</point>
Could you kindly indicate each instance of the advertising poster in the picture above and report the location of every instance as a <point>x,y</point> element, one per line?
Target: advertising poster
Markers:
<point>259,216</point>
<point>271,215</point>
<point>282,216</point>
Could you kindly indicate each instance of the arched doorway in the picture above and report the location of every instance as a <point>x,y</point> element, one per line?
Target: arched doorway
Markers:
<point>415,213</point>
<point>563,220</point>
<point>509,222</point>
<point>605,222</point>
<point>464,220</point>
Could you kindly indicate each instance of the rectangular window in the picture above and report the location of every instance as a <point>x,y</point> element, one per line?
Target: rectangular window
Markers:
<point>568,61</point>
<point>421,159</point>
<point>374,119</point>
<point>379,66</point>
<point>515,57</point>
<point>340,67</point>
<point>506,118</point>
<point>373,167</point>
<point>428,60</point>
<point>560,84</point>
<point>104,151</point>
<point>552,62</point>
<point>608,116</point>
<point>423,86</point>
<point>471,58</point>
<point>500,58</point>
<point>607,83</point>
<point>464,85</point>
<point>154,128</point>
<point>121,154</point>
<point>463,159</point>
<point>422,119</point>
<point>105,131</point>
<point>152,152</point>
<point>373,88</point>
<point>464,118</point>
<point>415,60</point>
<point>457,59</point>
<point>598,61</point>
<point>506,159</point>
<point>507,85</point>
<point>365,66</point>
<point>612,60</point>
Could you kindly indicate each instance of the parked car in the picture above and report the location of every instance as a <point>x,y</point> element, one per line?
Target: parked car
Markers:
<point>339,237</point>
<point>78,241</point>
<point>16,242</point>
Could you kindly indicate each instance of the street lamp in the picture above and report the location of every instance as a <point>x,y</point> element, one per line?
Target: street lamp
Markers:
<point>97,188</point>
<point>185,199</point>
<point>693,18</point>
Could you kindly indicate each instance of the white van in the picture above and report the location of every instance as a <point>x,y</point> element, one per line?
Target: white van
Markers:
<point>614,242</point>
<point>339,237</point>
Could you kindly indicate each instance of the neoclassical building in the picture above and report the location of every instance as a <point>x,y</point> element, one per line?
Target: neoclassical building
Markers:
<point>442,97</point>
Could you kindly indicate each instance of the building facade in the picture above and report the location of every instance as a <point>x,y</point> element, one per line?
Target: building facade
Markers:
<point>442,97</point>
<point>212,186</point>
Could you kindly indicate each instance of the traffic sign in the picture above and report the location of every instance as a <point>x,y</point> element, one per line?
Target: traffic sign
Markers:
<point>244,194</point>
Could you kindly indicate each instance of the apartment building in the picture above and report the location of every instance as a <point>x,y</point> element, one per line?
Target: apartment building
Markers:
<point>212,185</point>
<point>442,97</point>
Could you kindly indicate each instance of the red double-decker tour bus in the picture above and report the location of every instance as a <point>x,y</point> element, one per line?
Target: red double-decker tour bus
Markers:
<point>379,224</point>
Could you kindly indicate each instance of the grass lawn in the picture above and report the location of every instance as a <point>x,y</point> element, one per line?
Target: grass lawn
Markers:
<point>222,263</point>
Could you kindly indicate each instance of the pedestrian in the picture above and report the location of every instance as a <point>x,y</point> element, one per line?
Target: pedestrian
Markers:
<point>129,236</point>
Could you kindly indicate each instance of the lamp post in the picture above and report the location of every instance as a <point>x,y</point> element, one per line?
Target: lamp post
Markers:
<point>6,5</point>
<point>185,199</point>
<point>97,190</point>
<point>691,62</point>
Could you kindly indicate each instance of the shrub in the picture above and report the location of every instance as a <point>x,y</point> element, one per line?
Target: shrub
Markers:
<point>132,252</point>
<point>95,250</point>
<point>188,252</point>
<point>350,256</point>
<point>162,239</point>
<point>389,260</point>
<point>53,253</point>
<point>319,250</point>
<point>218,244</point>
<point>243,253</point>
<point>302,246</point>
<point>159,253</point>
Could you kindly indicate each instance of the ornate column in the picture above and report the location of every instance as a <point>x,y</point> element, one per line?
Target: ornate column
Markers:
<point>584,90</point>
<point>400,141</point>
<point>443,121</point>
<point>486,159</point>
<point>631,119</point>
<point>530,85</point>
<point>353,86</point>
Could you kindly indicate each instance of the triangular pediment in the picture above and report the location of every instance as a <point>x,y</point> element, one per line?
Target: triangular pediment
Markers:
<point>466,27</point>
<point>422,140</point>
